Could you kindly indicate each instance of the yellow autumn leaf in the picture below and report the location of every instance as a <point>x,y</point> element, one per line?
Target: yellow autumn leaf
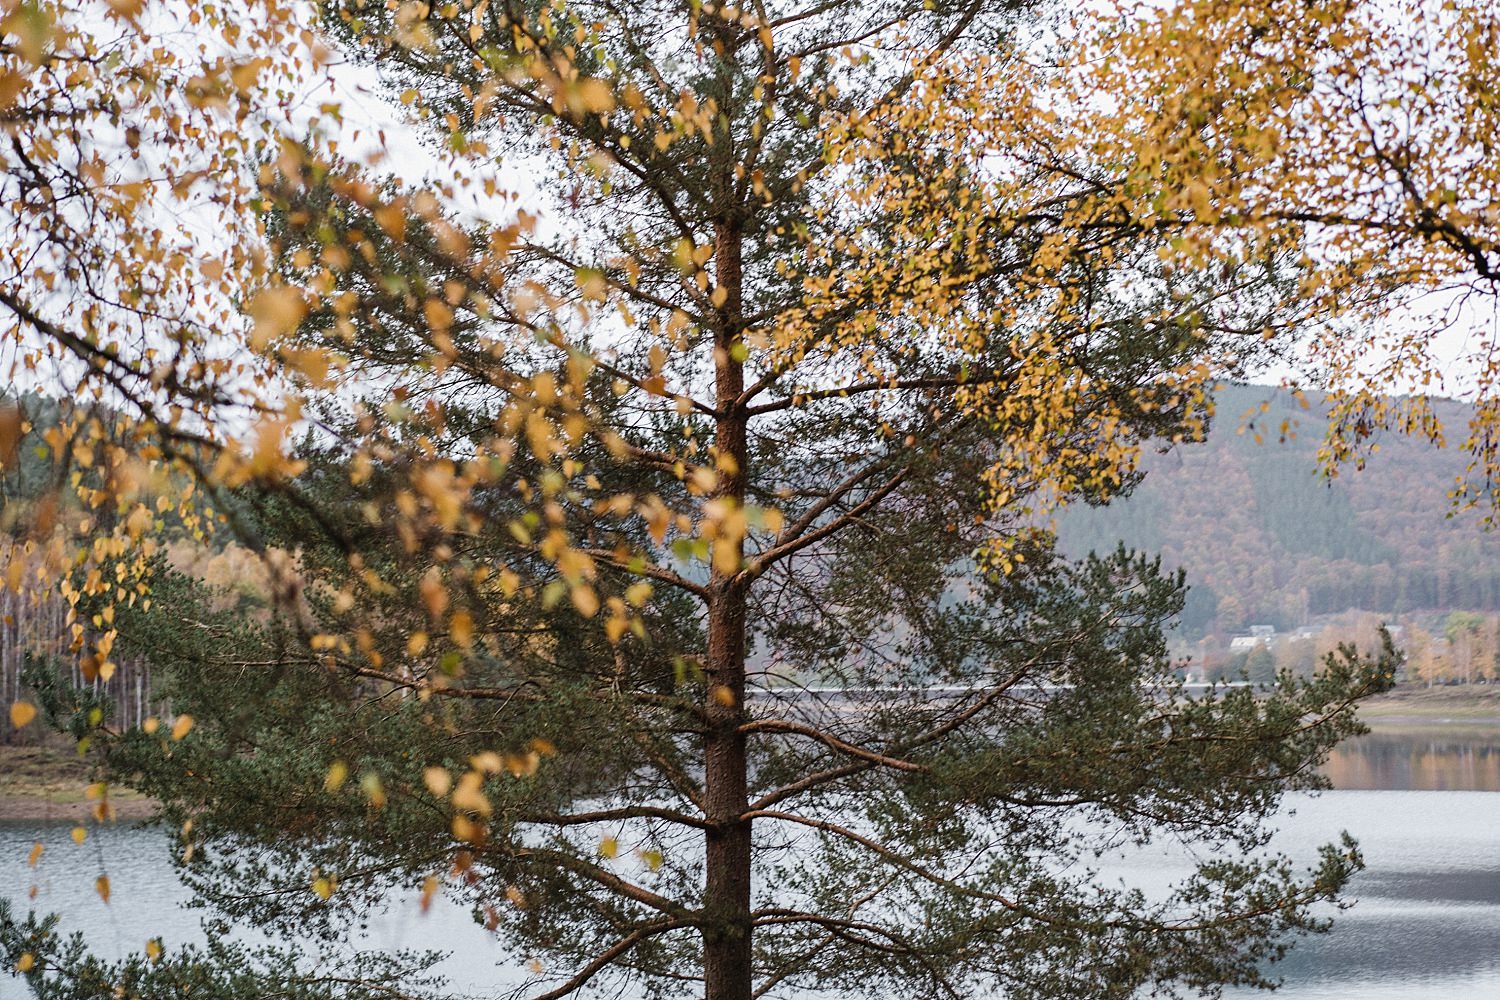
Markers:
<point>434,594</point>
<point>128,9</point>
<point>101,886</point>
<point>79,834</point>
<point>638,593</point>
<point>242,75</point>
<point>438,314</point>
<point>21,714</point>
<point>466,829</point>
<point>592,283</point>
<point>182,726</point>
<point>373,789</point>
<point>468,795</point>
<point>437,780</point>
<point>461,629</point>
<point>487,761</point>
<point>522,765</point>
<point>392,220</point>
<point>275,312</point>
<point>139,521</point>
<point>429,890</point>
<point>585,600</point>
<point>590,96</point>
<point>313,364</point>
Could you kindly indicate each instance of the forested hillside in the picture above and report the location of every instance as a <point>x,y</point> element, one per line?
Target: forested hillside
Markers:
<point>1265,539</point>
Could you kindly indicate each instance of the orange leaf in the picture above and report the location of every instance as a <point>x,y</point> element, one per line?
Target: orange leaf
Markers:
<point>21,714</point>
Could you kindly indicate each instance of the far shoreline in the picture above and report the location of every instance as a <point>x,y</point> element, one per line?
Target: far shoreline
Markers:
<point>1456,705</point>
<point>22,808</point>
<point>43,783</point>
<point>46,784</point>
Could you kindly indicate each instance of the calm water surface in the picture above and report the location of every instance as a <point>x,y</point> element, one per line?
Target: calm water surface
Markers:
<point>1426,924</point>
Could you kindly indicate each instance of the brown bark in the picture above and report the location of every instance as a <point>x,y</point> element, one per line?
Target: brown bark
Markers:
<point>727,965</point>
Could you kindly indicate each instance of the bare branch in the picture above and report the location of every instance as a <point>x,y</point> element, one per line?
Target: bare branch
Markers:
<point>608,956</point>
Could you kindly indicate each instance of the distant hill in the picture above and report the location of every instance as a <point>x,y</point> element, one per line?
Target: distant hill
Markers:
<point>1264,539</point>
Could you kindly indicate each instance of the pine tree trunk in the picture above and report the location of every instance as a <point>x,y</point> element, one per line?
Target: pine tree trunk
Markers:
<point>726,934</point>
<point>727,966</point>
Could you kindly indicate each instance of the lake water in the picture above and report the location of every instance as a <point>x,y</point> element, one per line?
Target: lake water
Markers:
<point>1426,925</point>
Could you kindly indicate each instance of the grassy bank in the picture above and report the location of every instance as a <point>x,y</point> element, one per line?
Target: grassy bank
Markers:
<point>43,782</point>
<point>1472,704</point>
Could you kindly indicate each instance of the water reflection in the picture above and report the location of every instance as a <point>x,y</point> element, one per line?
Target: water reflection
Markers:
<point>1420,758</point>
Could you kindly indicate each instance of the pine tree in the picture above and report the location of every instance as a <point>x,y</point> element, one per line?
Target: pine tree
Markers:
<point>664,578</point>
<point>631,591</point>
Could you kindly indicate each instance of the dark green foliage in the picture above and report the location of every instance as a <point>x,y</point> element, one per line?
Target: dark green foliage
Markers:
<point>1260,665</point>
<point>1073,737</point>
<point>962,821</point>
